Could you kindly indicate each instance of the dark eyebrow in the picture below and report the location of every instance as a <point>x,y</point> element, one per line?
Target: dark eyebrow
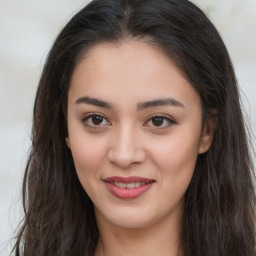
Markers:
<point>93,101</point>
<point>160,102</point>
<point>143,105</point>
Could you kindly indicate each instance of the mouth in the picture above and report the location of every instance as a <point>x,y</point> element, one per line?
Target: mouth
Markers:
<point>128,187</point>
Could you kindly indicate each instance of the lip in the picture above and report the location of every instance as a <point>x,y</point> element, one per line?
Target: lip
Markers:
<point>128,193</point>
<point>129,179</point>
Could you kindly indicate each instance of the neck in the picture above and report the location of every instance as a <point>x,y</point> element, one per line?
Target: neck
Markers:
<point>159,239</point>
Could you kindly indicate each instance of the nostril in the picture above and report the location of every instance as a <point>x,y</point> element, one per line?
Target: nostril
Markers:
<point>124,150</point>
<point>121,157</point>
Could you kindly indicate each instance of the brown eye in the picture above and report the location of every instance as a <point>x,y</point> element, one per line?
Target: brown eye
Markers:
<point>95,121</point>
<point>157,120</point>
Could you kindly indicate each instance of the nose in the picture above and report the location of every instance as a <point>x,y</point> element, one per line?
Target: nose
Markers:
<point>125,148</point>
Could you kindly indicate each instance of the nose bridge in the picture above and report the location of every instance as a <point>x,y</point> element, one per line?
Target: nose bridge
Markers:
<point>125,148</point>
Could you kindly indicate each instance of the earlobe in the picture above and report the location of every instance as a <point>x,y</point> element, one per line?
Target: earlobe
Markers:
<point>67,141</point>
<point>206,136</point>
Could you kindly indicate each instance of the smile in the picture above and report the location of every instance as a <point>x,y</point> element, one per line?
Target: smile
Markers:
<point>128,187</point>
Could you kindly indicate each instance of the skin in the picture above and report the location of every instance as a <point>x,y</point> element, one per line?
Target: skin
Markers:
<point>125,140</point>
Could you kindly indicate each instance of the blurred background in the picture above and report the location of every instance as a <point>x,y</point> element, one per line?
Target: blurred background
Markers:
<point>27,31</point>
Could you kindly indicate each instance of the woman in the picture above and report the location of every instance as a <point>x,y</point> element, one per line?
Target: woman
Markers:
<point>139,145</point>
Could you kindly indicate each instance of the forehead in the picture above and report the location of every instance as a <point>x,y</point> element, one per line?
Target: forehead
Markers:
<point>127,56</point>
<point>132,67</point>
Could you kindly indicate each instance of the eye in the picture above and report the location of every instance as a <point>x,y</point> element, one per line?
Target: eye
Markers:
<point>160,121</point>
<point>95,121</point>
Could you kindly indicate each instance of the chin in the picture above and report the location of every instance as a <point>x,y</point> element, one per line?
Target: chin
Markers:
<point>127,218</point>
<point>131,222</point>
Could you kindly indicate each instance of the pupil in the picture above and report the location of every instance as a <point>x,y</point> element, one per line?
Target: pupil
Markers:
<point>157,121</point>
<point>97,120</point>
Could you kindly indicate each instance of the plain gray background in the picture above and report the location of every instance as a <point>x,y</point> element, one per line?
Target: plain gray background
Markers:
<point>27,31</point>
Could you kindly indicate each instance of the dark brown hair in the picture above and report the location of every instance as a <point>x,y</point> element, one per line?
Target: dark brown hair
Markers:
<point>218,218</point>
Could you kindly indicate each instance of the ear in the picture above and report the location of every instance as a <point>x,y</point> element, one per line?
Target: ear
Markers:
<point>67,141</point>
<point>207,135</point>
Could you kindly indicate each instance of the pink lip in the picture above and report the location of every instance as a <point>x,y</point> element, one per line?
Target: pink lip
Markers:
<point>128,193</point>
<point>128,179</point>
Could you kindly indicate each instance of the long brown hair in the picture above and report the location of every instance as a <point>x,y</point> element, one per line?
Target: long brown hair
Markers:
<point>219,209</point>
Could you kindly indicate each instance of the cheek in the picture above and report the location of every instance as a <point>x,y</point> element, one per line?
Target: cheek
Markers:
<point>175,163</point>
<point>88,154</point>
<point>176,156</point>
<point>175,153</point>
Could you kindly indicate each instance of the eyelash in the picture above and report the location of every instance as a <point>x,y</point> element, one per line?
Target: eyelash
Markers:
<point>167,121</point>
<point>87,121</point>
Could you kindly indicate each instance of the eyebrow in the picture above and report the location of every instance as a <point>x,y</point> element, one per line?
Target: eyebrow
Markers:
<point>141,106</point>
<point>94,101</point>
<point>159,103</point>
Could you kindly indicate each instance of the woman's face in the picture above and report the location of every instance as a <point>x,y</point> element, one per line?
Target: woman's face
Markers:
<point>135,131</point>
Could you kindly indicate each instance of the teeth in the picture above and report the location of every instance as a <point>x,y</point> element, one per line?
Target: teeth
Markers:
<point>129,185</point>
<point>120,185</point>
<point>136,184</point>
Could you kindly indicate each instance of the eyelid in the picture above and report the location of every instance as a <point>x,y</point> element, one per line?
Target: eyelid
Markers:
<point>90,115</point>
<point>167,118</point>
